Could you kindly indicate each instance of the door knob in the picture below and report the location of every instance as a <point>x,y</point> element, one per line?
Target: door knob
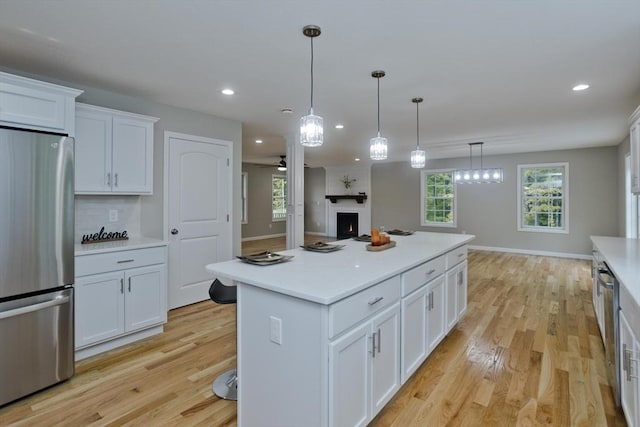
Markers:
<point>174,231</point>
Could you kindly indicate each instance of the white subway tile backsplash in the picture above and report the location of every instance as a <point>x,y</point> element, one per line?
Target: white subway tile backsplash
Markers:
<point>92,213</point>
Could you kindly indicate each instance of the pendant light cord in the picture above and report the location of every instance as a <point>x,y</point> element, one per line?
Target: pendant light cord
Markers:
<point>378,78</point>
<point>417,127</point>
<point>311,72</point>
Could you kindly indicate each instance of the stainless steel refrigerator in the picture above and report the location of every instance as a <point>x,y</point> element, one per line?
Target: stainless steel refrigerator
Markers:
<point>36,261</point>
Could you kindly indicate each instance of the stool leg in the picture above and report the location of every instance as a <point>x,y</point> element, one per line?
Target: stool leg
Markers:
<point>226,385</point>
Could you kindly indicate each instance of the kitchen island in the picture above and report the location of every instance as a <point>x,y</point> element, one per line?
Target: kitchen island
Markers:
<point>327,339</point>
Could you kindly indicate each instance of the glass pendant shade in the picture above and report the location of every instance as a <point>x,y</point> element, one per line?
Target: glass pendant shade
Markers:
<point>378,148</point>
<point>311,130</point>
<point>418,159</point>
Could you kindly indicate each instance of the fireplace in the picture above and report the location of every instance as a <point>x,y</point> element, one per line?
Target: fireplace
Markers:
<point>347,225</point>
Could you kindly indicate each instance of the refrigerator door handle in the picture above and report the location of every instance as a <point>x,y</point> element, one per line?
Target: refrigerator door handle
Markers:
<point>59,300</point>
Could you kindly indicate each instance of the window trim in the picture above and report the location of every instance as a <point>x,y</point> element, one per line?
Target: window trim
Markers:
<point>423,221</point>
<point>285,198</point>
<point>244,197</point>
<point>565,198</point>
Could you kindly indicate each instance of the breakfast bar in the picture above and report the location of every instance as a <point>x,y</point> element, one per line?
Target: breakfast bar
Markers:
<point>327,339</point>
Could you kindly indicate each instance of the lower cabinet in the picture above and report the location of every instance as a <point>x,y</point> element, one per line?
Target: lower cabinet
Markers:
<point>456,285</point>
<point>364,369</point>
<point>629,353</point>
<point>435,312</point>
<point>111,304</point>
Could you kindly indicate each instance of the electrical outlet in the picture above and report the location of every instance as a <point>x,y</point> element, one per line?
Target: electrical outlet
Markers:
<point>113,215</point>
<point>275,329</point>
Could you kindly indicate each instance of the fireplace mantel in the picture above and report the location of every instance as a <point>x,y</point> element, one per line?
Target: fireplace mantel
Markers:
<point>360,198</point>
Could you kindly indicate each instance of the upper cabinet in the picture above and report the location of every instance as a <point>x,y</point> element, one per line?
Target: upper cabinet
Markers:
<point>114,151</point>
<point>634,136</point>
<point>32,104</point>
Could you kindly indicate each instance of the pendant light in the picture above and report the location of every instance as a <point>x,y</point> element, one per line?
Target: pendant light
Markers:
<point>418,156</point>
<point>477,176</point>
<point>378,145</point>
<point>311,132</point>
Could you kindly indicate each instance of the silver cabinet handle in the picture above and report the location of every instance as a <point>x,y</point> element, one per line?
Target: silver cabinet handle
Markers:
<point>373,345</point>
<point>122,261</point>
<point>375,300</point>
<point>379,334</point>
<point>129,284</point>
<point>108,179</point>
<point>115,180</point>
<point>59,300</point>
<point>122,286</point>
<point>433,270</point>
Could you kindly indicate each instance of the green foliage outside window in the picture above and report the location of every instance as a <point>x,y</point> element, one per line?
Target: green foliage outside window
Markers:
<point>278,197</point>
<point>439,198</point>
<point>542,197</point>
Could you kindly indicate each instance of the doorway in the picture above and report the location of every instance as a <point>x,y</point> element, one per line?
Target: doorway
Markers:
<point>198,200</point>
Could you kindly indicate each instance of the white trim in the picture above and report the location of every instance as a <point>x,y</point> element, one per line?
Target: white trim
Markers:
<point>531,252</point>
<point>266,236</point>
<point>423,223</point>
<point>244,191</point>
<point>565,198</point>
<point>316,233</point>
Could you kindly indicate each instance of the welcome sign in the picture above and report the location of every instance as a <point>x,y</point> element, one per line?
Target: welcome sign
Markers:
<point>102,236</point>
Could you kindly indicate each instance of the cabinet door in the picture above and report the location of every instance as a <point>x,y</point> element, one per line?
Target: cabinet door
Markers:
<point>99,307</point>
<point>145,297</point>
<point>93,151</point>
<point>629,391</point>
<point>385,361</point>
<point>435,322</point>
<point>349,377</point>
<point>414,332</point>
<point>451,312</point>
<point>461,280</point>
<point>132,155</point>
<point>28,107</point>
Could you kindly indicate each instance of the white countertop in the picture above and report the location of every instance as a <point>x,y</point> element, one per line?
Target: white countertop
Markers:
<point>117,245</point>
<point>623,258</point>
<point>329,277</point>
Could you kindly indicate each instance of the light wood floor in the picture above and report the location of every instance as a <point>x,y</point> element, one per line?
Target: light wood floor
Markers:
<point>526,353</point>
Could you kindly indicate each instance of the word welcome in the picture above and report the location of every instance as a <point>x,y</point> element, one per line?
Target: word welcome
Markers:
<point>101,236</point>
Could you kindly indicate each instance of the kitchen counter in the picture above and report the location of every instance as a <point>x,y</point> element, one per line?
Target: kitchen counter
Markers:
<point>623,258</point>
<point>325,278</point>
<point>117,245</point>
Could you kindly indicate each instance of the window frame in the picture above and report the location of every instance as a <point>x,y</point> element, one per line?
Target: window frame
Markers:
<point>423,177</point>
<point>284,198</point>
<point>565,198</point>
<point>244,197</point>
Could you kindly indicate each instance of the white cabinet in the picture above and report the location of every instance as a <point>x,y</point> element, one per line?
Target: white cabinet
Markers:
<point>414,331</point>
<point>32,104</point>
<point>119,293</point>
<point>456,294</point>
<point>597,296</point>
<point>629,353</point>
<point>634,137</point>
<point>435,312</point>
<point>114,151</point>
<point>364,369</point>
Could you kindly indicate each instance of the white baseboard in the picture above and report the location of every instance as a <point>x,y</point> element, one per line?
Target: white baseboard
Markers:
<point>268,236</point>
<point>530,252</point>
<point>315,233</point>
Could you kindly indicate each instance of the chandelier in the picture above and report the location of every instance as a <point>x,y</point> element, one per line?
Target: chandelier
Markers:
<point>378,145</point>
<point>311,131</point>
<point>477,176</point>
<point>418,156</point>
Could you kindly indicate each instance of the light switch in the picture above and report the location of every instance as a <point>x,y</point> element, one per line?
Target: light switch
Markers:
<point>275,329</point>
<point>113,215</point>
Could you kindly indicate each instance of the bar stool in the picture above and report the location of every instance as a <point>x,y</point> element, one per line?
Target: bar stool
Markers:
<point>226,385</point>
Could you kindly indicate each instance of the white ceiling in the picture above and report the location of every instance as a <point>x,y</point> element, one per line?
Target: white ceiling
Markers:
<point>493,71</point>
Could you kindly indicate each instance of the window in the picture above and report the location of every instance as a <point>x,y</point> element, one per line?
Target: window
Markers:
<point>543,195</point>
<point>438,198</point>
<point>244,218</point>
<point>278,197</point>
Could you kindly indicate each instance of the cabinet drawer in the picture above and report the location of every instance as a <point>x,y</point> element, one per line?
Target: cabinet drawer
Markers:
<point>456,256</point>
<point>120,260</point>
<point>418,276</point>
<point>355,308</point>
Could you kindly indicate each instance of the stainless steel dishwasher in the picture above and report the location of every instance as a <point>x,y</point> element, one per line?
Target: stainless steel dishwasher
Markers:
<point>610,290</point>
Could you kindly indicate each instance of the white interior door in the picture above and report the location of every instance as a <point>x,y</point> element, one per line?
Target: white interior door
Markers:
<point>199,204</point>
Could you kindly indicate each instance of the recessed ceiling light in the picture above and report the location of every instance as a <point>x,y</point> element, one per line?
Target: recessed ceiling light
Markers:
<point>357,159</point>
<point>580,87</point>
<point>258,141</point>
<point>339,126</point>
<point>227,91</point>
